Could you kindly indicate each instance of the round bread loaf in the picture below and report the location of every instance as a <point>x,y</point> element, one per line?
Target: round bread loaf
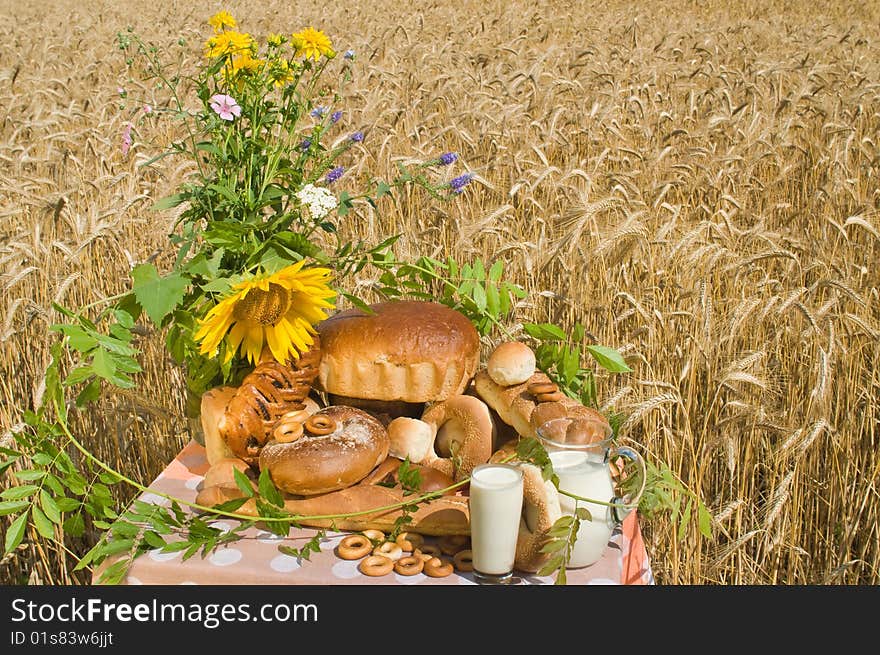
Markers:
<point>317,464</point>
<point>511,363</point>
<point>409,351</point>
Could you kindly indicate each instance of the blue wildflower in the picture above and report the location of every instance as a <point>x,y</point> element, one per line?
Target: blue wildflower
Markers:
<point>357,137</point>
<point>459,183</point>
<point>334,175</point>
<point>334,117</point>
<point>318,111</point>
<point>447,158</point>
<point>349,54</point>
<point>305,144</point>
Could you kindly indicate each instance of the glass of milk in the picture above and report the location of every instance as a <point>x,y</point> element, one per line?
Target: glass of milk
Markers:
<point>496,499</point>
<point>584,470</point>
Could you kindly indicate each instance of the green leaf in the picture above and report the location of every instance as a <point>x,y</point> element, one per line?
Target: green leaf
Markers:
<point>544,331</point>
<point>103,364</point>
<point>554,546</point>
<point>609,359</point>
<point>90,392</point>
<point>15,533</point>
<point>50,507</point>
<point>12,506</point>
<point>382,189</point>
<point>19,492</point>
<point>29,475</point>
<point>243,483</point>
<point>268,490</point>
<point>43,524</point>
<point>685,519</point>
<point>705,521</point>
<point>554,564</point>
<point>496,270</point>
<point>158,296</point>
<point>584,514</point>
<point>168,202</point>
<point>75,525</point>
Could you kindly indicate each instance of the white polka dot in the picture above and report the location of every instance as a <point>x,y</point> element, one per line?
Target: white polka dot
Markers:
<point>346,569</point>
<point>225,557</point>
<point>410,579</point>
<point>193,482</point>
<point>188,582</point>
<point>223,526</point>
<point>154,499</point>
<point>284,564</point>
<point>133,580</point>
<point>158,556</point>
<point>329,543</point>
<point>603,581</point>
<point>266,537</point>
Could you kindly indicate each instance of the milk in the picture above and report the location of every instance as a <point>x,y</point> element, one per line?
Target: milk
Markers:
<point>584,475</point>
<point>496,499</point>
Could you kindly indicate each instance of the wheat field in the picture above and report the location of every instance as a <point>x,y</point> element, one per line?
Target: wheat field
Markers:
<point>695,182</point>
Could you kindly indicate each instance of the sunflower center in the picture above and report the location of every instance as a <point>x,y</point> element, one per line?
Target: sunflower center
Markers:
<point>264,307</point>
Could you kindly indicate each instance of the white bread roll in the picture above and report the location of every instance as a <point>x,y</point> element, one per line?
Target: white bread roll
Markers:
<point>511,363</point>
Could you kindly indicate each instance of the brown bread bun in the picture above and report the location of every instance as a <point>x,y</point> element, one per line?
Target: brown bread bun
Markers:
<point>316,464</point>
<point>407,351</point>
<point>511,363</point>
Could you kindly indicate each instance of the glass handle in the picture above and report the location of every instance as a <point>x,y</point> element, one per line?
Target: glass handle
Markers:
<point>621,507</point>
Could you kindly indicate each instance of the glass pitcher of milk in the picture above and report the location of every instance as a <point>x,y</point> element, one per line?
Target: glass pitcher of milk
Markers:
<point>584,470</point>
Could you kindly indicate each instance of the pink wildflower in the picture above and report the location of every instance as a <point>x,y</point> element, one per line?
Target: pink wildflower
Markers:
<point>148,109</point>
<point>126,138</point>
<point>225,106</point>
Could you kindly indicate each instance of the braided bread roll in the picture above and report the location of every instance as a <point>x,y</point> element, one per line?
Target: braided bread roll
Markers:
<point>265,394</point>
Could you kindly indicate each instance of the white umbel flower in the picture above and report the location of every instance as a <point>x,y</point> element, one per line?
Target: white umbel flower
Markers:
<point>319,200</point>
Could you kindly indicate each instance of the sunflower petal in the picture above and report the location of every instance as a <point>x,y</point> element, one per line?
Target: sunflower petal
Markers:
<point>253,343</point>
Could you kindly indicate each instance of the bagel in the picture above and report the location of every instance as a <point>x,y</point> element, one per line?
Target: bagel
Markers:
<point>464,435</point>
<point>541,509</point>
<point>317,464</point>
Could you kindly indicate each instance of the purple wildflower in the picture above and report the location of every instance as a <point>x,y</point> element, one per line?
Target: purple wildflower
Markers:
<point>357,137</point>
<point>447,158</point>
<point>305,144</point>
<point>334,175</point>
<point>334,117</point>
<point>459,183</point>
<point>318,111</point>
<point>349,54</point>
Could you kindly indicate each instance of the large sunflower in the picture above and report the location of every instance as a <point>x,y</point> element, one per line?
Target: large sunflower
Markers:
<point>278,309</point>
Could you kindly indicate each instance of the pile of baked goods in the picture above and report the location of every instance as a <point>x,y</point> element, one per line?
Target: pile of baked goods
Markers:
<point>333,427</point>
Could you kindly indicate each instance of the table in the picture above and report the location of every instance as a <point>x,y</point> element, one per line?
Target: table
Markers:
<point>255,558</point>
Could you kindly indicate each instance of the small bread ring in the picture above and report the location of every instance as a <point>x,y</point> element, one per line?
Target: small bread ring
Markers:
<point>410,565</point>
<point>354,546</point>
<point>452,543</point>
<point>376,566</point>
<point>287,431</point>
<point>536,388</point>
<point>320,424</point>
<point>427,551</point>
<point>555,397</point>
<point>374,535</point>
<point>437,568</point>
<point>464,560</point>
<point>298,415</point>
<point>390,550</point>
<point>409,541</point>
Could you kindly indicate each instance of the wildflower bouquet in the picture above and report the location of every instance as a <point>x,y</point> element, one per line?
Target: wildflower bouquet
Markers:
<point>259,260</point>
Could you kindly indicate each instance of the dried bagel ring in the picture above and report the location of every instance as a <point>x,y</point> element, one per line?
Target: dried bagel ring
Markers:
<point>409,541</point>
<point>390,550</point>
<point>451,544</point>
<point>374,535</point>
<point>555,397</point>
<point>464,560</point>
<point>427,551</point>
<point>376,566</point>
<point>410,565</point>
<point>354,546</point>
<point>437,568</point>
<point>536,388</point>
<point>287,431</point>
<point>320,424</point>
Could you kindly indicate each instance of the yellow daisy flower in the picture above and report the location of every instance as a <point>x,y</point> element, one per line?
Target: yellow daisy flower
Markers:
<point>245,63</point>
<point>228,43</point>
<point>275,40</point>
<point>281,72</point>
<point>278,309</point>
<point>221,20</point>
<point>312,43</point>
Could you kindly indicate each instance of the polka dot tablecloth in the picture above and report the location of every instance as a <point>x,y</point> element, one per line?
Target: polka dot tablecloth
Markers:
<point>255,559</point>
